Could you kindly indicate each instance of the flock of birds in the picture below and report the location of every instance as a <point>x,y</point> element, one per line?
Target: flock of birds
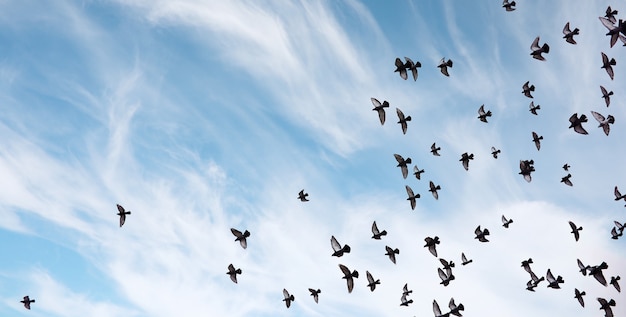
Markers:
<point>616,30</point>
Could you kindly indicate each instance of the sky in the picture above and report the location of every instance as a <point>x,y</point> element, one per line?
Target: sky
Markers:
<point>201,116</point>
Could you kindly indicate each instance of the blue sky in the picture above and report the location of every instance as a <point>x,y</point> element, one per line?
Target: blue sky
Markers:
<point>201,116</point>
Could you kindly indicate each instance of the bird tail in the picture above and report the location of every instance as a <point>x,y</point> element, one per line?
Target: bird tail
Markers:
<point>545,48</point>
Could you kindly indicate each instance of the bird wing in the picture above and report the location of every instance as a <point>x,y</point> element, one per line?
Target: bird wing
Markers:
<point>463,257</point>
<point>566,29</point>
<point>335,244</point>
<point>236,233</point>
<point>370,278</point>
<point>375,230</point>
<point>600,118</point>
<point>535,45</point>
<point>600,277</point>
<point>436,309</point>
<point>607,23</point>
<point>550,277</point>
<point>399,158</point>
<point>120,208</point>
<point>481,110</point>
<point>345,270</point>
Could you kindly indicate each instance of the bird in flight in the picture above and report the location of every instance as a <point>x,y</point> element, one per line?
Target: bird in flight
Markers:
<point>579,296</point>
<point>614,282</point>
<point>288,298</point>
<point>349,276</point>
<point>402,164</point>
<point>233,273</point>
<point>465,158</point>
<point>376,233</point>
<point>409,65</point>
<point>526,167</point>
<point>315,293</point>
<point>577,123</point>
<point>554,282</point>
<point>508,6</point>
<point>303,196</point>
<point>27,301</point>
<point>391,253</point>
<point>537,139</point>
<point>402,120</point>
<point>575,230</point>
<point>481,235</point>
<point>417,172</point>
<point>401,68</point>
<point>537,50</point>
<point>241,237</point>
<point>482,115</point>
<point>604,122</point>
<point>526,89</point>
<point>566,180</point>
<point>606,95</point>
<point>431,244</point>
<point>506,222</point>
<point>434,149</point>
<point>464,260</point>
<point>371,283</point>
<point>412,196</point>
<point>614,30</point>
<point>122,213</point>
<point>380,109</point>
<point>443,66</point>
<point>495,152</point>
<point>433,189</point>
<point>608,65</point>
<point>532,108</point>
<point>337,248</point>
<point>569,34</point>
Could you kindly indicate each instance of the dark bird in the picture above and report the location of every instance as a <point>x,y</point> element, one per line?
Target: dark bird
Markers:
<point>435,150</point>
<point>566,180</point>
<point>241,237</point>
<point>618,195</point>
<point>569,34</point>
<point>288,298</point>
<point>604,122</point>
<point>464,260</point>
<point>526,265</point>
<point>506,222</point>
<point>391,253</point>
<point>554,282</point>
<point>482,115</point>
<point>582,268</point>
<point>596,272</point>
<point>371,283</point>
<point>576,123</point>
<point>417,172</point>
<point>402,164</point>
<point>446,277</point>
<point>433,189</point>
<point>614,234</point>
<point>303,196</point>
<point>337,248</point>
<point>412,196</point>
<point>443,66</point>
<point>508,6</point>
<point>406,290</point>
<point>537,139</point>
<point>465,158</point>
<point>455,309</point>
<point>380,109</point>
<point>122,213</point>
<point>537,51</point>
<point>575,230</point>
<point>315,293</point>
<point>610,15</point>
<point>532,108</point>
<point>401,68</point>
<point>608,64</point>
<point>431,244</point>
<point>614,30</point>
<point>579,296</point>
<point>405,302</point>
<point>26,301</point>
<point>614,282</point>
<point>376,233</point>
<point>526,89</point>
<point>409,65</point>
<point>608,312</point>
<point>534,281</point>
<point>606,95</point>
<point>495,152</point>
<point>481,235</point>
<point>233,272</point>
<point>349,276</point>
<point>526,167</point>
<point>566,167</point>
<point>446,264</point>
<point>402,120</point>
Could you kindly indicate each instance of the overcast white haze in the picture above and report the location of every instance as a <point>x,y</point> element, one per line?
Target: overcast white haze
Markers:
<point>200,116</point>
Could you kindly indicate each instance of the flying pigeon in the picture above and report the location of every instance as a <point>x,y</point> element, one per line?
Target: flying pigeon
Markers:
<point>406,290</point>
<point>526,89</point>
<point>349,276</point>
<point>241,237</point>
<point>391,253</point>
<point>417,172</point>
<point>402,164</point>
<point>122,213</point>
<point>614,282</point>
<point>401,68</point>
<point>446,277</point>
<point>566,180</point>
<point>409,65</point>
<point>431,243</point>
<point>435,150</point>
<point>608,65</point>
<point>303,196</point>
<point>405,302</point>
<point>455,309</point>
<point>579,296</point>
<point>604,122</point>
<point>537,139</point>
<point>566,167</point>
<point>575,230</point>
<point>596,272</point>
<point>508,6</point>
<point>464,260</point>
<point>606,95</point>
<point>337,248</point>
<point>371,282</point>
<point>569,34</point>
<point>446,264</point>
<point>412,196</point>
<point>582,268</point>
<point>554,283</point>
<point>465,158</point>
<point>506,222</point>
<point>526,167</point>
<point>288,298</point>
<point>315,293</point>
<point>614,234</point>
<point>26,301</point>
<point>402,120</point>
<point>608,312</point>
<point>481,235</point>
<point>482,115</point>
<point>533,109</point>
<point>614,30</point>
<point>495,152</point>
<point>380,109</point>
<point>610,15</point>
<point>526,265</point>
<point>576,123</point>
<point>537,51</point>
<point>376,233</point>
<point>618,195</point>
<point>233,273</point>
<point>443,66</point>
<point>534,281</point>
<point>433,189</point>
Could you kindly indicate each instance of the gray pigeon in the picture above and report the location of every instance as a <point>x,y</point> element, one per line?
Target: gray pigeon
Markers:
<point>402,120</point>
<point>288,298</point>
<point>122,213</point>
<point>349,276</point>
<point>537,50</point>
<point>233,273</point>
<point>608,65</point>
<point>443,66</point>
<point>241,237</point>
<point>576,123</point>
<point>606,95</point>
<point>526,89</point>
<point>569,34</point>
<point>380,109</point>
<point>402,164</point>
<point>26,301</point>
<point>604,122</point>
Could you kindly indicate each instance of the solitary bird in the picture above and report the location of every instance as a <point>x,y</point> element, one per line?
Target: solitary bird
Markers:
<point>402,164</point>
<point>380,109</point>
<point>566,180</point>
<point>26,301</point>
<point>577,123</point>
<point>391,253</point>
<point>402,120</point>
<point>526,167</point>
<point>288,298</point>
<point>606,95</point>
<point>337,248</point>
<point>433,189</point>
<point>417,172</point>
<point>412,196</point>
<point>537,139</point>
<point>608,65</point>
<point>431,244</point>
<point>377,234</point>
<point>464,260</point>
<point>579,296</point>
<point>434,149</point>
<point>233,273</point>
<point>122,213</point>
<point>443,66</point>
<point>575,230</point>
<point>532,108</point>
<point>508,6</point>
<point>409,65</point>
<point>526,89</point>
<point>495,152</point>
<point>566,167</point>
<point>465,158</point>
<point>606,306</point>
<point>537,51</point>
<point>315,293</point>
<point>569,34</point>
<point>554,282</point>
<point>241,237</point>
<point>371,283</point>
<point>614,282</point>
<point>482,115</point>
<point>604,122</point>
<point>506,222</point>
<point>349,276</point>
<point>481,235</point>
<point>401,68</point>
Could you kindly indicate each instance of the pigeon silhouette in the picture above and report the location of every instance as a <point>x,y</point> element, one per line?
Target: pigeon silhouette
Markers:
<point>618,195</point>
<point>371,283</point>
<point>122,213</point>
<point>495,152</point>
<point>566,180</point>
<point>606,306</point>
<point>402,120</point>
<point>569,34</point>
<point>526,89</point>
<point>401,68</point>
<point>579,296</point>
<point>614,30</point>
<point>288,298</point>
<point>443,66</point>
<point>391,253</point>
<point>482,115</point>
<point>582,268</point>
<point>337,248</point>
<point>434,150</point>
<point>404,301</point>
<point>412,196</point>
<point>566,167</point>
<point>437,310</point>
<point>241,237</point>
<point>526,265</point>
<point>465,158</point>
<point>376,233</point>
<point>532,108</point>
<point>464,260</point>
<point>233,273</point>
<point>554,282</point>
<point>508,6</point>
<point>526,167</point>
<point>608,65</point>
<point>506,222</point>
<point>380,109</point>
<point>315,293</point>
<point>349,276</point>
<point>417,172</point>
<point>406,290</point>
<point>610,15</point>
<point>575,230</point>
<point>27,301</point>
<point>537,139</point>
<point>409,65</point>
<point>303,196</point>
<point>481,235</point>
<point>576,123</point>
<point>614,282</point>
<point>606,95</point>
<point>596,272</point>
<point>455,309</point>
<point>402,164</point>
<point>614,234</point>
<point>537,51</point>
<point>446,264</point>
<point>431,244</point>
<point>604,122</point>
<point>433,189</point>
<point>446,277</point>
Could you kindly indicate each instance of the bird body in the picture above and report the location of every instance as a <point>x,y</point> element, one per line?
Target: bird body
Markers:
<point>391,253</point>
<point>371,283</point>
<point>532,108</point>
<point>537,139</point>
<point>402,120</point>
<point>575,230</point>
<point>604,122</point>
<point>482,115</point>
<point>380,109</point>
<point>288,298</point>
<point>315,293</point>
<point>431,244</point>
<point>481,235</point>
<point>402,164</point>
<point>433,189</point>
<point>527,89</point>
<point>506,222</point>
<point>465,158</point>
<point>608,64</point>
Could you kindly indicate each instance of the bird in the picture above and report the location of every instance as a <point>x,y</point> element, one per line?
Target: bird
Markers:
<point>618,195</point>
<point>532,108</point>
<point>596,272</point>
<point>434,149</point>
<point>406,290</point>
<point>614,282</point>
<point>122,213</point>
<point>337,248</point>
<point>608,65</point>
<point>482,115</point>
<point>566,180</point>
<point>508,6</point>
<point>371,283</point>
<point>431,244</point>
<point>315,293</point>
<point>614,30</point>
<point>614,234</point>
<point>401,68</point>
<point>433,189</point>
<point>405,302</point>
<point>481,235</point>
<point>303,196</point>
<point>446,264</point>
<point>446,277</point>
<point>495,152</point>
<point>610,14</point>
<point>526,89</point>
<point>437,310</point>
<point>575,230</point>
<point>582,268</point>
<point>380,109</point>
<point>443,66</point>
<point>402,164</point>
<point>241,237</point>
<point>606,95</point>
<point>554,282</point>
<point>526,265</point>
<point>349,276</point>
<point>391,253</point>
<point>409,65</point>
<point>604,122</point>
<point>606,306</point>
<point>526,167</point>
<point>569,34</point>
<point>376,233</point>
<point>455,309</point>
<point>566,167</point>
<point>412,196</point>
<point>233,273</point>
<point>537,139</point>
<point>618,227</point>
<point>417,172</point>
<point>288,298</point>
<point>534,281</point>
<point>402,120</point>
<point>27,301</point>
<point>579,296</point>
<point>537,51</point>
<point>506,222</point>
<point>576,123</point>
<point>464,260</point>
<point>465,158</point>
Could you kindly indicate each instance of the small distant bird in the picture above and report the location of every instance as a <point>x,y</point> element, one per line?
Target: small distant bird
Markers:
<point>337,248</point>
<point>614,30</point>
<point>481,235</point>
<point>241,237</point>
<point>526,167</point>
<point>402,120</point>
<point>233,273</point>
<point>431,244</point>
<point>566,167</point>
<point>405,302</point>
<point>455,309</point>
<point>582,268</point>
<point>554,282</point>
<point>409,65</point>
<point>464,260</point>
<point>569,34</point>
<point>380,109</point>
<point>465,158</point>
<point>526,265</point>
<point>596,272</point>
<point>532,108</point>
<point>288,298</point>
<point>446,264</point>
<point>315,293</point>
<point>506,222</point>
<point>608,64</point>
<point>534,281</point>
<point>526,89</point>
<point>575,230</point>
<point>371,282</point>
<point>443,66</point>
<point>537,139</point>
<point>433,189</point>
<point>606,306</point>
<point>406,290</point>
<point>618,195</point>
<point>614,282</point>
<point>303,196</point>
<point>376,233</point>
<point>614,234</point>
<point>495,152</point>
<point>566,180</point>
<point>579,296</point>
<point>446,277</point>
<point>391,253</point>
<point>537,51</point>
<point>604,122</point>
<point>26,301</point>
<point>349,276</point>
<point>122,213</point>
<point>401,68</point>
<point>417,172</point>
<point>576,123</point>
<point>402,164</point>
<point>435,150</point>
<point>508,6</point>
<point>482,115</point>
<point>412,196</point>
<point>606,95</point>
<point>610,15</point>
